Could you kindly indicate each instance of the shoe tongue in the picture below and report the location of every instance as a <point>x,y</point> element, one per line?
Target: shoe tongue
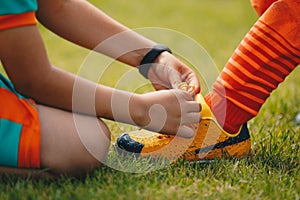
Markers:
<point>205,112</point>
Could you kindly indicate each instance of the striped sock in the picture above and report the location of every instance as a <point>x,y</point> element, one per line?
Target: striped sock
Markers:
<point>267,54</point>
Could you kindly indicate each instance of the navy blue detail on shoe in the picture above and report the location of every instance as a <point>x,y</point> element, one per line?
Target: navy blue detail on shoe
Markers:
<point>125,142</point>
<point>244,135</point>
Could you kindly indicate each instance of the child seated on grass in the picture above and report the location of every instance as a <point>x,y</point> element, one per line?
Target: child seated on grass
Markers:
<point>38,108</point>
<point>46,112</point>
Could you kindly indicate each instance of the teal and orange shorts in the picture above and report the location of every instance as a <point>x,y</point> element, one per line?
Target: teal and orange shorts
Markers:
<point>19,128</point>
<point>19,121</point>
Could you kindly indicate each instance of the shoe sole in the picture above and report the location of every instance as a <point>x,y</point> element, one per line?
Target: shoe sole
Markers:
<point>145,143</point>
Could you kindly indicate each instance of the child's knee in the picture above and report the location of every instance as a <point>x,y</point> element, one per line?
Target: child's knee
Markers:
<point>72,144</point>
<point>92,153</point>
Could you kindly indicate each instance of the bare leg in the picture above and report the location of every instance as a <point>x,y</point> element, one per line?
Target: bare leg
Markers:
<point>63,147</point>
<point>62,150</point>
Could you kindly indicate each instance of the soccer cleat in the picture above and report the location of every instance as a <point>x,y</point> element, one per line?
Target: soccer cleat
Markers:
<point>210,141</point>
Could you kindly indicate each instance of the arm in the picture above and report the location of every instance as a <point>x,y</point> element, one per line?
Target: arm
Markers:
<point>24,57</point>
<point>80,22</point>
<point>63,18</point>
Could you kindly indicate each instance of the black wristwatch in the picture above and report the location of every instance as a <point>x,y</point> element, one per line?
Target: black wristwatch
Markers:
<point>150,56</point>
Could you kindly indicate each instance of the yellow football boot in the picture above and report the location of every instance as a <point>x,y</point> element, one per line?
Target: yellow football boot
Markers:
<point>210,141</point>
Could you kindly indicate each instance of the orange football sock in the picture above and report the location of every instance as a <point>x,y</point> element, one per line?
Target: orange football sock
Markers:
<point>266,55</point>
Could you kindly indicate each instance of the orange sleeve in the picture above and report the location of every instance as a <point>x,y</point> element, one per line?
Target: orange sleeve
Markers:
<point>17,20</point>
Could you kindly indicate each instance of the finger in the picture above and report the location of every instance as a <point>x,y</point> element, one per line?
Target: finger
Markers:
<point>183,96</point>
<point>193,80</point>
<point>192,106</point>
<point>191,118</point>
<point>185,131</point>
<point>193,126</point>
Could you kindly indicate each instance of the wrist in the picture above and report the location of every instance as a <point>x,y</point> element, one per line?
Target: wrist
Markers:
<point>138,109</point>
<point>150,58</point>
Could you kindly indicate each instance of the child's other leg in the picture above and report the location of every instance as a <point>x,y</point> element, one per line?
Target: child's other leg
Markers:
<point>62,150</point>
<point>267,54</point>
<point>261,6</point>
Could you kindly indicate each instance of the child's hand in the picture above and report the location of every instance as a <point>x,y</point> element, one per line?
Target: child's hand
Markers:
<point>167,111</point>
<point>168,71</point>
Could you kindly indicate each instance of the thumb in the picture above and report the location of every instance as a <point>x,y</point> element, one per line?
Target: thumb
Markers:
<point>174,79</point>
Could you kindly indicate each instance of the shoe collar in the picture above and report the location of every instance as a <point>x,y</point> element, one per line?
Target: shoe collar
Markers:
<point>206,113</point>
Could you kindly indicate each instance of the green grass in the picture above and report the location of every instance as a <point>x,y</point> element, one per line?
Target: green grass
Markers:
<point>271,171</point>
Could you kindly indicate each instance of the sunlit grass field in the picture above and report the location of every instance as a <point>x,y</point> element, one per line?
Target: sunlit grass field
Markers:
<point>270,172</point>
